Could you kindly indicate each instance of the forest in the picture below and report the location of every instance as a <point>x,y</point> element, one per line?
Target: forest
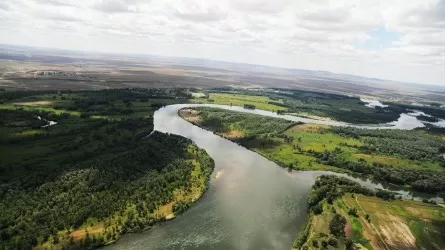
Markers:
<point>345,215</point>
<point>94,175</point>
<point>407,158</point>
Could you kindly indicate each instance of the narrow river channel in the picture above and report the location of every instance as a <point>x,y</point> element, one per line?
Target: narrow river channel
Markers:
<point>253,204</point>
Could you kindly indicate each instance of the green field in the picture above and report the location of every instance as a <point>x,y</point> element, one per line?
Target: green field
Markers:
<point>410,158</point>
<point>260,102</point>
<point>82,183</point>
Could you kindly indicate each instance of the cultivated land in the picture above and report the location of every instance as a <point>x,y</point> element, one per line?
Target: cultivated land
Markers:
<point>345,215</point>
<point>94,175</point>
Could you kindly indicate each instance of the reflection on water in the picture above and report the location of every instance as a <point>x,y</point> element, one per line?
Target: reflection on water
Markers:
<point>253,204</point>
<point>373,103</point>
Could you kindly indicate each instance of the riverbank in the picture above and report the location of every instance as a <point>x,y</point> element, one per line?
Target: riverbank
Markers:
<point>342,214</point>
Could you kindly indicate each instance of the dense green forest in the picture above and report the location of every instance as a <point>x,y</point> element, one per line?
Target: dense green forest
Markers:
<point>410,158</point>
<point>94,175</point>
<point>345,215</point>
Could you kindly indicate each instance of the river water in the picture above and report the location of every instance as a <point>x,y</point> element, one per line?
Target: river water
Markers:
<point>253,204</point>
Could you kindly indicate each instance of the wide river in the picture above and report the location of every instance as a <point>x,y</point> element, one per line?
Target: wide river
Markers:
<point>253,204</point>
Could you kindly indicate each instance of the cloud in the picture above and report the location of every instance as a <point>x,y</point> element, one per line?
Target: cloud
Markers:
<point>315,34</point>
<point>115,6</point>
<point>200,12</point>
<point>4,5</point>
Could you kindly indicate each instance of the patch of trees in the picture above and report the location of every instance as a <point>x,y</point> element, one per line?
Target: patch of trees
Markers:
<point>427,118</point>
<point>302,236</point>
<point>337,226</point>
<point>413,145</point>
<point>249,106</point>
<point>221,120</point>
<point>327,189</point>
<point>331,187</point>
<point>424,180</point>
<point>430,110</point>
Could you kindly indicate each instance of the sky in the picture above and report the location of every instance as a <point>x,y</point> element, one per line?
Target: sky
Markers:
<point>402,40</point>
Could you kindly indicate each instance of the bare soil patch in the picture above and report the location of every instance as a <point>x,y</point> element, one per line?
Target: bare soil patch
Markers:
<point>307,127</point>
<point>81,233</point>
<point>233,134</point>
<point>190,115</point>
<point>396,233</point>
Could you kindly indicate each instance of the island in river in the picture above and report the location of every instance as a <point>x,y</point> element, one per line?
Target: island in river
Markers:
<point>410,158</point>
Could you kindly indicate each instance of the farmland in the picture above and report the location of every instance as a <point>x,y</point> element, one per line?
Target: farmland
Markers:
<point>355,216</point>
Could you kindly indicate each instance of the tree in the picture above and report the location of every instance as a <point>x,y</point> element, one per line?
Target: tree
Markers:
<point>315,243</point>
<point>337,225</point>
<point>353,212</point>
<point>367,218</point>
<point>333,242</point>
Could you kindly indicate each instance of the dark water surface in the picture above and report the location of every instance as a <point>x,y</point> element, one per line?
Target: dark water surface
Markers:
<point>253,204</point>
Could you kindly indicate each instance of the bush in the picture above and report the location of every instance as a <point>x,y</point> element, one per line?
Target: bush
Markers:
<point>353,212</point>
<point>317,209</point>
<point>333,242</point>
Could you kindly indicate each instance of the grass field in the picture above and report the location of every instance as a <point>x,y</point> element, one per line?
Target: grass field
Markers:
<point>260,102</point>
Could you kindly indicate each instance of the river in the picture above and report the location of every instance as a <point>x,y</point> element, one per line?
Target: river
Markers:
<point>253,204</point>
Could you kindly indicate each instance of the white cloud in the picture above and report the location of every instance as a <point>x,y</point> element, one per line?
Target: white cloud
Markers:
<point>314,34</point>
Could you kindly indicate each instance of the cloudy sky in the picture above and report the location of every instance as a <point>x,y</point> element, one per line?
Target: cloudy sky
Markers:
<point>392,39</point>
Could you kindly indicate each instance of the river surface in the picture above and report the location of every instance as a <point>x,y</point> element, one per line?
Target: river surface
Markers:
<point>253,204</point>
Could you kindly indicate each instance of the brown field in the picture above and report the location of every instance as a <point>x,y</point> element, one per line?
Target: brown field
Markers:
<point>307,127</point>
<point>190,115</point>
<point>80,71</point>
<point>400,224</point>
<point>36,103</point>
